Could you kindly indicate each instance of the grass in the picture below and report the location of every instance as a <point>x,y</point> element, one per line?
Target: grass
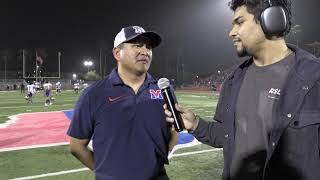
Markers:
<point>203,166</point>
<point>14,103</point>
<point>30,162</point>
<point>36,161</point>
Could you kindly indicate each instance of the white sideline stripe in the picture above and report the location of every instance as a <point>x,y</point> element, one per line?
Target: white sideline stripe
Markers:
<point>85,169</point>
<point>14,118</point>
<point>15,107</point>
<point>51,174</point>
<point>19,100</point>
<point>33,146</point>
<point>196,152</point>
<point>194,142</point>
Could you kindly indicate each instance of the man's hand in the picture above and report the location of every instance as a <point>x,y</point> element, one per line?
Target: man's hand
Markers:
<point>189,118</point>
<point>79,149</point>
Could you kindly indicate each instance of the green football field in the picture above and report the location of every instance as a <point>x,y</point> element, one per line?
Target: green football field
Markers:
<point>199,162</point>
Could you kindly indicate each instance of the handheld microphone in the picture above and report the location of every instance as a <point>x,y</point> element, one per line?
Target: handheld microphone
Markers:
<point>164,86</point>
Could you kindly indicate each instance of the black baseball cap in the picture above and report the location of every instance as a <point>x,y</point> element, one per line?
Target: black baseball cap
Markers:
<point>128,33</point>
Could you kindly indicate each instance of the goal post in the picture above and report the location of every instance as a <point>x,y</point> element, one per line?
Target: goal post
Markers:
<point>37,67</point>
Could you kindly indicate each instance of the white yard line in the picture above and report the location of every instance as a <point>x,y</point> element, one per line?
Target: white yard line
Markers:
<point>196,152</point>
<point>33,146</point>
<point>31,106</point>
<point>171,155</point>
<point>193,143</point>
<point>85,169</point>
<point>51,174</point>
<point>34,102</point>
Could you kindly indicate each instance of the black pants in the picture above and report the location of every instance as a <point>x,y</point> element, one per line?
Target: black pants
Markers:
<point>161,175</point>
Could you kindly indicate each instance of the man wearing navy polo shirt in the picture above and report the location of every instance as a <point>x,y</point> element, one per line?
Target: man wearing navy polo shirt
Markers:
<point>123,116</point>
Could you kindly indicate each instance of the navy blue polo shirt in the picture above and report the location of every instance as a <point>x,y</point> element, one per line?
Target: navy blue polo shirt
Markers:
<point>129,131</point>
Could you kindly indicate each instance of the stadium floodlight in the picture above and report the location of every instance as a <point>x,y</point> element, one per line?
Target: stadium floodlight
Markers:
<point>88,64</point>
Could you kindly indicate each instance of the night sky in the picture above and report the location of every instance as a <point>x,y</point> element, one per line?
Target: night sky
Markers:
<point>196,29</point>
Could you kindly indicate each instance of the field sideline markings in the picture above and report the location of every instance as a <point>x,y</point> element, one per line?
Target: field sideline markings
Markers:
<point>30,106</point>
<point>85,169</point>
<point>37,101</point>
<point>14,118</point>
<point>193,143</point>
<point>51,174</point>
<point>33,146</point>
<point>196,152</point>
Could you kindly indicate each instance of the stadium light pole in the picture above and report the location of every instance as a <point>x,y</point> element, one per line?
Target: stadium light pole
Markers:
<point>88,64</point>
<point>74,76</point>
<point>5,69</point>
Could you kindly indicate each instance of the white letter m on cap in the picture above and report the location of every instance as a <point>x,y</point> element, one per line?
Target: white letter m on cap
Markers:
<point>138,29</point>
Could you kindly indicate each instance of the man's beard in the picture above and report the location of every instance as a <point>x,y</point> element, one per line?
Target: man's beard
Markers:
<point>242,52</point>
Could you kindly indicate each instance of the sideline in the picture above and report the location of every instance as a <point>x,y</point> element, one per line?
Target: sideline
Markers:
<point>33,147</point>
<point>51,174</point>
<point>85,169</point>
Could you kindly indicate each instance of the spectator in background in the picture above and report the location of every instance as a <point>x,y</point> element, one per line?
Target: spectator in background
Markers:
<point>22,88</point>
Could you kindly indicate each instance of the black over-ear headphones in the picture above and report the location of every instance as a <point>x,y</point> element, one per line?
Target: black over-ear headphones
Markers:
<point>274,20</point>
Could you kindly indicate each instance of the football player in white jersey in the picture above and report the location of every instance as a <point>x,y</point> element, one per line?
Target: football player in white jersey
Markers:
<point>47,93</point>
<point>31,89</point>
<point>37,86</point>
<point>76,87</point>
<point>84,86</point>
<point>58,88</point>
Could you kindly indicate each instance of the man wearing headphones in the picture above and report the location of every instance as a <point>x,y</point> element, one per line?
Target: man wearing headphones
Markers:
<point>268,116</point>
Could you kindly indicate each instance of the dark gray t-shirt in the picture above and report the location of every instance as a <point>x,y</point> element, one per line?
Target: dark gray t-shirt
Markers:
<point>261,87</point>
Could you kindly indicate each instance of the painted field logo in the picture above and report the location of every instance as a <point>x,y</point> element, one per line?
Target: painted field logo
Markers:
<point>33,130</point>
<point>155,94</point>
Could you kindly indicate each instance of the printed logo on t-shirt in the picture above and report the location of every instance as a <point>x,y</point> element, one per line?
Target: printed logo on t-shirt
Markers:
<point>155,94</point>
<point>274,93</point>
